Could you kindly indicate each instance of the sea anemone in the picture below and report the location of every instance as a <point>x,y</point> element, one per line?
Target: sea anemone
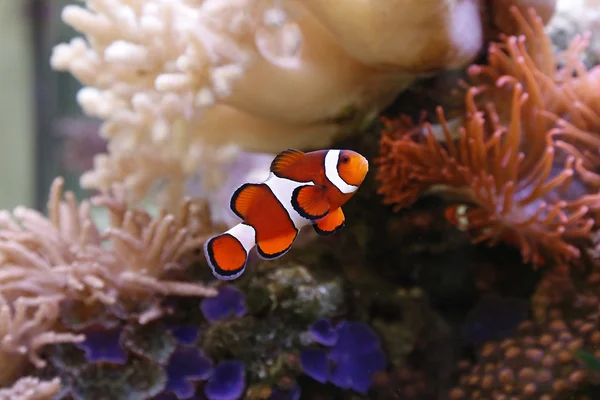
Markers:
<point>61,275</point>
<point>521,161</point>
<point>67,255</point>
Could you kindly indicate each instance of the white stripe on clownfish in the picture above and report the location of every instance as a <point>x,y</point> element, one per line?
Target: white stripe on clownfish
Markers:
<point>283,189</point>
<point>331,172</point>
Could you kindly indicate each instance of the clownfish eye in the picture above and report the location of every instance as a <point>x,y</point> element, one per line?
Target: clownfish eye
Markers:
<point>345,159</point>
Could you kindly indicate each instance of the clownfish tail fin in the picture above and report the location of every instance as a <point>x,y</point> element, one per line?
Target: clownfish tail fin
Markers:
<point>227,253</point>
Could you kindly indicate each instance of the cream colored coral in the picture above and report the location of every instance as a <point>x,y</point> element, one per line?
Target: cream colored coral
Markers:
<point>151,65</point>
<point>31,388</point>
<point>177,80</point>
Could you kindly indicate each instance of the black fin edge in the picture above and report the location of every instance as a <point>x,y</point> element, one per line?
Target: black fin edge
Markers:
<point>328,233</point>
<point>210,257</point>
<point>299,209</point>
<point>236,194</point>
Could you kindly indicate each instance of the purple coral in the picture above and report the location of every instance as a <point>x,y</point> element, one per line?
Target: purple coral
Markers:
<point>323,333</point>
<point>352,359</point>
<point>186,365</point>
<point>315,363</point>
<point>229,301</point>
<point>227,381</point>
<point>103,344</point>
<point>185,334</point>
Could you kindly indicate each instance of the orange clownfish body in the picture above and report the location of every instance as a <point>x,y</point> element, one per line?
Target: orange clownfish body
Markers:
<point>302,189</point>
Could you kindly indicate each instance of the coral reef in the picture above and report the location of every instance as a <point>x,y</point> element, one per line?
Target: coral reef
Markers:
<point>519,165</point>
<point>410,302</point>
<point>520,161</point>
<point>127,359</point>
<point>224,347</point>
<point>56,270</point>
<point>266,325</point>
<point>176,82</point>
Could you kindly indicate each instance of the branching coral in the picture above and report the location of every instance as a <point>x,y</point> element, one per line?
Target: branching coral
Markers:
<point>184,79</point>
<point>525,159</point>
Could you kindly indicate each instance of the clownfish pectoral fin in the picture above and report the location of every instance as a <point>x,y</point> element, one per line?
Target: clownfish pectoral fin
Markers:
<point>331,223</point>
<point>275,247</point>
<point>286,163</point>
<point>227,253</point>
<point>310,202</point>
<point>242,198</point>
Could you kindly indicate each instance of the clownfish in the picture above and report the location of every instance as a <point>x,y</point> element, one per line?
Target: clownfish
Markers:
<point>302,189</point>
<point>456,214</point>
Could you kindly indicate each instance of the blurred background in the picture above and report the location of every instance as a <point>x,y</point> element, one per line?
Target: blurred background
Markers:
<point>43,133</point>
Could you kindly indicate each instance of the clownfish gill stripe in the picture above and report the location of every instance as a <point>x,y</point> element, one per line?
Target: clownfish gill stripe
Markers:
<point>332,173</point>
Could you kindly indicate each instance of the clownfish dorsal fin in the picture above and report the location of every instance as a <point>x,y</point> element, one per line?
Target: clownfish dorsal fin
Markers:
<point>283,164</point>
<point>331,223</point>
<point>310,201</point>
<point>242,198</point>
